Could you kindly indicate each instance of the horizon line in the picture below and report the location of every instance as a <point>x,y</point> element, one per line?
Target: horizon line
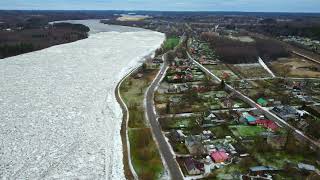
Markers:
<point>227,11</point>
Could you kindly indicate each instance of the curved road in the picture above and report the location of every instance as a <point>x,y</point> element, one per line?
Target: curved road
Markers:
<point>164,148</point>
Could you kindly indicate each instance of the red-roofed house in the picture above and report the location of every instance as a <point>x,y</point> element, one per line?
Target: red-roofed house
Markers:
<point>267,124</point>
<point>219,156</point>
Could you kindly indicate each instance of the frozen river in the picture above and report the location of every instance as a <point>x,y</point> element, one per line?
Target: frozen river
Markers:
<point>58,114</point>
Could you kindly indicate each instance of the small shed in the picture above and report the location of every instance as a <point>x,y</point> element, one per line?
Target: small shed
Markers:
<point>262,102</point>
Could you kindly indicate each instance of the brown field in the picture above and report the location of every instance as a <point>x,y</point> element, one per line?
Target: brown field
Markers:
<point>296,67</point>
<point>248,71</point>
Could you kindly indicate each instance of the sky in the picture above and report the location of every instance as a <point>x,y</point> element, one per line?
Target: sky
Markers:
<point>166,5</point>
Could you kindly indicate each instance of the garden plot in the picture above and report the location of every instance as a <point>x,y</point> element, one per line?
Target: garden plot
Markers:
<point>250,71</point>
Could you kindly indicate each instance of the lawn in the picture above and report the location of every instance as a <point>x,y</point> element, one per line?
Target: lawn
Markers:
<point>246,131</point>
<point>145,155</point>
<point>178,123</point>
<point>132,91</point>
<point>179,148</point>
<point>144,152</point>
<point>171,43</point>
<point>221,131</point>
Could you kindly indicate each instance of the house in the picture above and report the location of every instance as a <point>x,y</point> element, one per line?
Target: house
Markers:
<point>219,156</point>
<point>157,60</point>
<point>260,170</point>
<point>210,116</point>
<point>228,103</point>
<point>192,166</point>
<point>248,118</point>
<point>210,119</point>
<point>286,112</point>
<point>306,167</point>
<point>207,135</point>
<point>268,124</point>
<point>262,102</point>
<point>194,145</point>
<point>177,136</point>
<point>176,77</point>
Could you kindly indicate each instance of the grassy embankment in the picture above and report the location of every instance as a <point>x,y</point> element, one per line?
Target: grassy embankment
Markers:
<point>171,43</point>
<point>144,152</point>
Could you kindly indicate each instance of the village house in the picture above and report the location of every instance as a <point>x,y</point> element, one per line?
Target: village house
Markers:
<point>306,167</point>
<point>192,166</point>
<point>245,117</point>
<point>268,124</point>
<point>262,102</point>
<point>177,136</point>
<point>261,170</point>
<point>194,145</point>
<point>219,156</point>
<point>210,120</point>
<point>286,112</point>
<point>178,88</point>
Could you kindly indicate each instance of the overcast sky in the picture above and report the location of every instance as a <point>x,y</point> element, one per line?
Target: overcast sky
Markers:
<point>167,5</point>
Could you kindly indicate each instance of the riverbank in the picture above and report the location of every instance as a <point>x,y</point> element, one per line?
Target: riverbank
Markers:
<point>129,171</point>
<point>145,156</point>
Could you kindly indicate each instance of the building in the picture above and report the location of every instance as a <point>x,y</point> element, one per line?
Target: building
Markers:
<point>219,156</point>
<point>286,112</point>
<point>194,145</point>
<point>177,136</point>
<point>268,124</point>
<point>192,166</point>
<point>306,167</point>
<point>262,102</point>
<point>260,170</point>
<point>248,118</point>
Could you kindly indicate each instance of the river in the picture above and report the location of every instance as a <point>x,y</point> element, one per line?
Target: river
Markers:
<point>59,118</point>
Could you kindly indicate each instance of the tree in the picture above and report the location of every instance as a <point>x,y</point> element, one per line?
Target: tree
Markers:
<point>170,56</point>
<point>222,84</point>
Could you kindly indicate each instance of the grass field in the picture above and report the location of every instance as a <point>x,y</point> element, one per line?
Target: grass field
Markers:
<point>144,152</point>
<point>246,131</point>
<point>171,43</point>
<point>145,155</point>
<point>177,123</point>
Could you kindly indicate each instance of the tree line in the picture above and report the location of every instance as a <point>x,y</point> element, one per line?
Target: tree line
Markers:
<point>235,51</point>
<point>16,49</point>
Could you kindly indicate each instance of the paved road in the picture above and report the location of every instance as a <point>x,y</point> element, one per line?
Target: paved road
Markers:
<point>169,158</point>
<point>265,111</point>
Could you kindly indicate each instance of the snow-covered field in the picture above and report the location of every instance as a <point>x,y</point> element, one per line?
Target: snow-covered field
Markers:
<point>59,118</point>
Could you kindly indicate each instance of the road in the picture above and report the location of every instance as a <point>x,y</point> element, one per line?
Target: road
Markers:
<point>252,103</point>
<point>164,148</point>
<point>306,57</point>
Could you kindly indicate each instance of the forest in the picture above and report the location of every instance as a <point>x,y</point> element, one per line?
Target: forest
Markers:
<point>33,38</point>
<point>234,51</point>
